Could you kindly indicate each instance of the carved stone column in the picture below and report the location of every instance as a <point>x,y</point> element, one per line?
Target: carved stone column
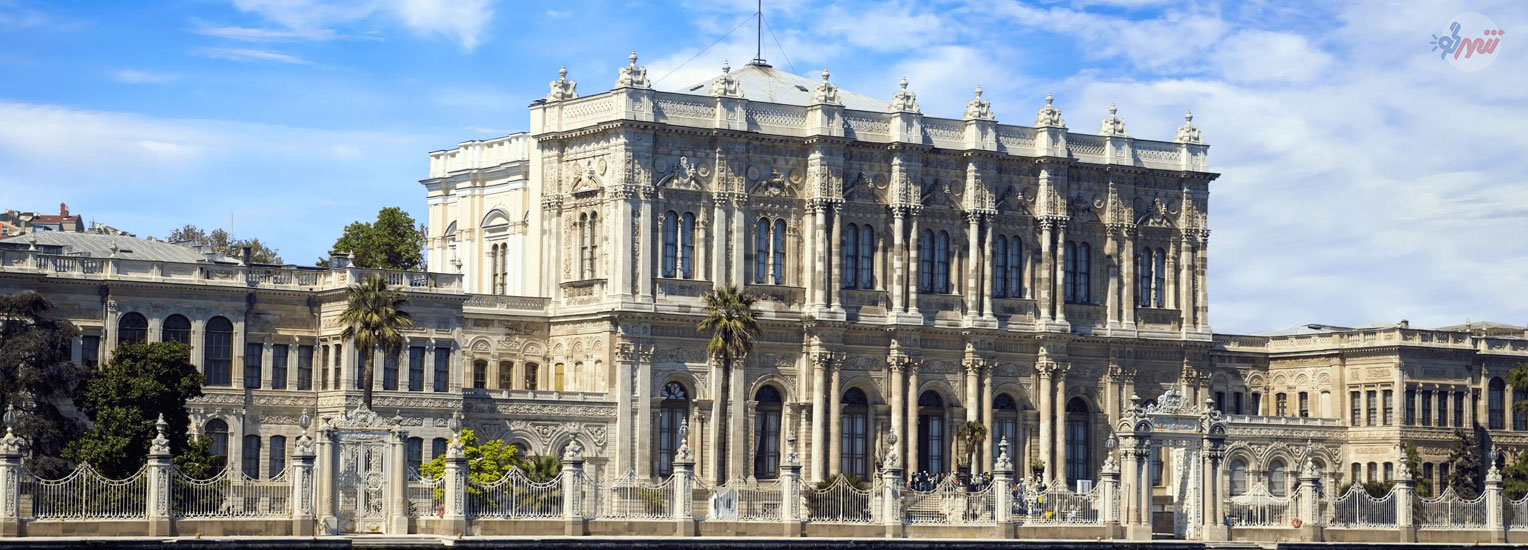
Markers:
<point>912,418</point>
<point>1060,270</point>
<point>1046,368</point>
<point>898,408</point>
<point>738,437</point>
<point>1201,280</point>
<point>1112,298</point>
<point>836,258</point>
<point>819,416</point>
<point>915,272</point>
<point>1128,283</point>
<point>812,231</point>
<point>971,292</point>
<point>717,233</point>
<point>835,414</point>
<point>1045,295</point>
<point>986,275</point>
<point>985,453</point>
<point>898,287</point>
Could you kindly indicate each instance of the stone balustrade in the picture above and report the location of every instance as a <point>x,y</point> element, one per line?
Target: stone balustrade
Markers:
<point>218,274</point>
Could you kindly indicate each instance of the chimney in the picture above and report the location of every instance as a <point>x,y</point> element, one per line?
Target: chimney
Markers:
<point>1405,323</point>
<point>246,251</point>
<point>63,209</point>
<point>339,260</point>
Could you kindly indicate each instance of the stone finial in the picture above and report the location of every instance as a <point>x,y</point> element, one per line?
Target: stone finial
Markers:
<point>1493,474</point>
<point>455,448</point>
<point>1003,463</point>
<point>573,452</point>
<point>904,101</point>
<point>726,85</point>
<point>1049,116</point>
<point>1114,125</point>
<point>1188,132</point>
<point>827,92</point>
<point>562,88</point>
<point>161,444</point>
<point>792,458</point>
<point>978,108</point>
<point>683,454</point>
<point>632,76</point>
<point>891,460</point>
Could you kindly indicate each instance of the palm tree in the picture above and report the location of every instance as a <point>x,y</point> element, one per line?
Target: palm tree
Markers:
<point>374,320</point>
<point>729,319</point>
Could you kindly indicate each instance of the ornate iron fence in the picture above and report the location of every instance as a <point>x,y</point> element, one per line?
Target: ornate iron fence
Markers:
<point>229,494</point>
<point>948,503</point>
<point>516,496</point>
<point>839,502</point>
<point>1055,504</point>
<point>425,495</point>
<point>1357,508</point>
<point>1260,508</point>
<point>741,500</point>
<point>628,497</point>
<point>86,494</point>
<point>1449,511</point>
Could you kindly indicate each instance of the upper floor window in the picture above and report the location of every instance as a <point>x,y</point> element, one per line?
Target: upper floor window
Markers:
<point>588,227</point>
<point>480,374</point>
<point>1280,404</point>
<point>859,257</point>
<point>769,252</point>
<point>1151,277</point>
<point>1495,396</point>
<point>1304,404</point>
<point>678,245</point>
<point>1007,267</point>
<point>934,262</point>
<point>132,327</point>
<point>1078,271</point>
<point>498,259</point>
<point>942,263</point>
<point>217,350</point>
<point>177,328</point>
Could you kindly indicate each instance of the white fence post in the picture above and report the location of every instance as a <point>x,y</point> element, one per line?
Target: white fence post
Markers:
<point>157,505</point>
<point>455,517</point>
<point>1002,485</point>
<point>684,483</point>
<point>301,477</point>
<point>1309,510</point>
<point>790,491</point>
<point>891,490</point>
<point>10,484</point>
<point>1108,487</point>
<point>1403,503</point>
<point>1494,502</point>
<point>572,489</point>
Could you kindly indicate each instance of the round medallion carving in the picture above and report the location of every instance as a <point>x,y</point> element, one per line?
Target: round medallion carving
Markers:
<point>702,169</point>
<point>753,173</point>
<point>602,167</point>
<point>796,176</point>
<point>661,165</point>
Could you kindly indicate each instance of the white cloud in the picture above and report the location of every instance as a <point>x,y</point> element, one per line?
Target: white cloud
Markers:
<point>462,21</point>
<point>251,54</point>
<point>254,34</point>
<point>131,76</point>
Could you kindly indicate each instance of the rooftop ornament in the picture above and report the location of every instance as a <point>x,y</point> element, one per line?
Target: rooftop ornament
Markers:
<point>562,88</point>
<point>1114,125</point>
<point>978,108</point>
<point>904,101</point>
<point>1049,116</point>
<point>1188,132</point>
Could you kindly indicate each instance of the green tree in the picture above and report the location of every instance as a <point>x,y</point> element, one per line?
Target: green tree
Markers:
<point>393,241</point>
<point>38,378</point>
<point>730,320</point>
<point>1465,465</point>
<point>1413,465</point>
<point>123,399</point>
<point>1515,476</point>
<point>488,462</point>
<point>197,460</point>
<point>374,320</point>
<point>221,242</point>
<point>971,436</point>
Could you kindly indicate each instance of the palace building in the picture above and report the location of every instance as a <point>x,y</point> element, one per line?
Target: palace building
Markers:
<point>914,273</point>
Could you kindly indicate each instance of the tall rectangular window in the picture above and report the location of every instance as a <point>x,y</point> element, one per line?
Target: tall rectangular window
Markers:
<point>1372,399</point>
<point>278,455</point>
<point>413,453</point>
<point>1220,402</point>
<point>323,369</point>
<point>442,368</point>
<point>304,367</point>
<point>1459,410</point>
<point>279,367</point>
<point>356,371</point>
<point>416,368</point>
<point>339,367</point>
<point>1355,408</point>
<point>90,350</point>
<point>1304,405</point>
<point>506,375</point>
<point>1411,407</point>
<point>252,365</point>
<point>1443,398</point>
<point>1281,404</point>
<point>1427,408</point>
<point>1257,403</point>
<point>1236,403</point>
<point>1519,416</point>
<point>1389,407</point>
<point>251,456</point>
<point>437,447</point>
<point>389,371</point>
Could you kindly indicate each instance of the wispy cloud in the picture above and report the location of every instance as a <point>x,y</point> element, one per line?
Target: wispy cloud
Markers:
<point>250,54</point>
<point>256,34</point>
<point>132,76</point>
<point>13,17</point>
<point>462,21</point>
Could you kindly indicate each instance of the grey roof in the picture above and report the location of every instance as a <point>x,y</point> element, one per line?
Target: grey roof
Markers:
<point>1480,325</point>
<point>766,83</point>
<point>1317,328</point>
<point>99,246</point>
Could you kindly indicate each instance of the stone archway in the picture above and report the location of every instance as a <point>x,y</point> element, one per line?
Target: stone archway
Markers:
<point>362,454</point>
<point>1190,441</point>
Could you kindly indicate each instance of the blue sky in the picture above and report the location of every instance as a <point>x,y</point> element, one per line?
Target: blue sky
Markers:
<point>1364,179</point>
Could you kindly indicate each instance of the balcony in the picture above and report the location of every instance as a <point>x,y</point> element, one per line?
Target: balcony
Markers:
<point>514,304</point>
<point>213,274</point>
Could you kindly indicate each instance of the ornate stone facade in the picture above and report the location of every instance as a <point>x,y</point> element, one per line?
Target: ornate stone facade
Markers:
<point>914,273</point>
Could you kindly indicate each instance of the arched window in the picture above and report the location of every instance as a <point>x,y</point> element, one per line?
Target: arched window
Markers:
<point>1016,268</point>
<point>531,375</point>
<point>506,375</point>
<point>854,434</point>
<point>687,246</point>
<point>1005,424</point>
<point>1496,395</point>
<point>1084,273</point>
<point>931,437</point>
<point>1238,477</point>
<point>558,377</point>
<point>866,262</point>
<point>480,374</point>
<point>942,261</point>
<point>779,251</point>
<point>217,430</point>
<point>585,242</point>
<point>926,261</point>
<point>766,433</point>
<point>132,327</point>
<point>672,412</point>
<point>1070,272</point>
<point>1160,271</point>
<point>177,328</point>
<point>217,350</point>
<point>1143,265</point>
<point>1276,479</point>
<point>250,465</point>
<point>670,244</point>
<point>1079,456</point>
<point>1000,266</point>
<point>761,252</point>
<point>849,242</point>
